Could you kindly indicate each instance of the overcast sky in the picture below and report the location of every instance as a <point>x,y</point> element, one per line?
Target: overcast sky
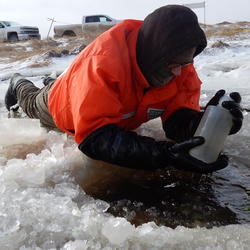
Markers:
<point>37,12</point>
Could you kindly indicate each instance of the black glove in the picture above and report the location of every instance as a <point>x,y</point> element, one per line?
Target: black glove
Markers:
<point>125,148</point>
<point>216,98</point>
<point>182,124</point>
<point>232,106</point>
<point>178,155</point>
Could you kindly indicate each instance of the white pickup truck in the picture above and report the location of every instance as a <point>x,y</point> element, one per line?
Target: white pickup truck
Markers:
<point>13,32</point>
<point>91,22</point>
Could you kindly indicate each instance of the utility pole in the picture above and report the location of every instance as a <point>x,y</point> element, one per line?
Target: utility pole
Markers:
<point>52,21</point>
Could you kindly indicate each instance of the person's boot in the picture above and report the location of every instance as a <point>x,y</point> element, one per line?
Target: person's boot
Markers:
<point>50,78</point>
<point>10,96</point>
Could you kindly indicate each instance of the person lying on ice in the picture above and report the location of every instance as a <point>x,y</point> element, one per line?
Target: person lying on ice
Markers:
<point>134,72</point>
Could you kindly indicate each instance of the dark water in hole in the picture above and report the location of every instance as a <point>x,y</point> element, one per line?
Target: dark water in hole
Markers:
<point>172,197</point>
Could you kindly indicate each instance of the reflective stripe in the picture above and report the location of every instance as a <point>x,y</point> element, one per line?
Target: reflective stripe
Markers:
<point>128,115</point>
<point>154,113</point>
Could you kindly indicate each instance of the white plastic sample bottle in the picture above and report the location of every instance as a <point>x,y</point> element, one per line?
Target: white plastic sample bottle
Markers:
<point>214,126</point>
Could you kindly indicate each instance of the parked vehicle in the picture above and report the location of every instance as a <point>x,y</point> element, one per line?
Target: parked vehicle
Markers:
<point>88,22</point>
<point>13,32</point>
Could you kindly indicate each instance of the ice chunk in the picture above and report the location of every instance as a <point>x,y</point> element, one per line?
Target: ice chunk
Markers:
<point>8,225</point>
<point>117,230</point>
<point>21,131</point>
<point>24,173</point>
<point>76,245</point>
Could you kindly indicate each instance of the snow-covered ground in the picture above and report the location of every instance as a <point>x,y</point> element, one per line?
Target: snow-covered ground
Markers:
<point>43,176</point>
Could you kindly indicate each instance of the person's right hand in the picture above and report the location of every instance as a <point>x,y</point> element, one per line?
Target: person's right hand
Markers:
<point>178,155</point>
<point>235,110</point>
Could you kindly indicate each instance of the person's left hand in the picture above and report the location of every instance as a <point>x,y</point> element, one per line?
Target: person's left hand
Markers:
<point>178,155</point>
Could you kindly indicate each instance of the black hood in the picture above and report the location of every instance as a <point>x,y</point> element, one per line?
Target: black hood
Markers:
<point>165,33</point>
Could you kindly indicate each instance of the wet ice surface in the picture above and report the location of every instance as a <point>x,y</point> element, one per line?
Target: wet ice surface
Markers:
<point>53,197</point>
